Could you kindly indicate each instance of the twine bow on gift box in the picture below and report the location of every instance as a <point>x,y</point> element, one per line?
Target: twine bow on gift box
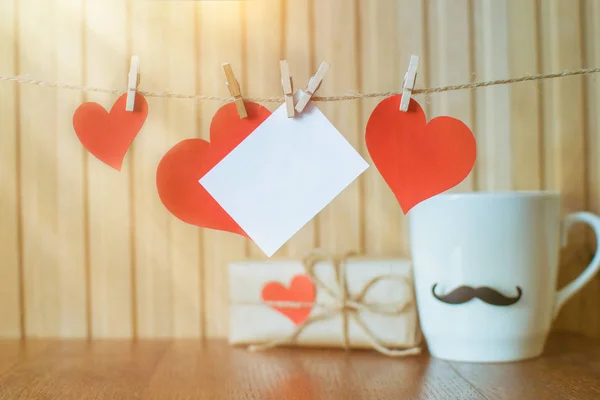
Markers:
<point>347,305</point>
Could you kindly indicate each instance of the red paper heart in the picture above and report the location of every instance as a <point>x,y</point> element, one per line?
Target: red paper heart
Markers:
<point>418,160</point>
<point>189,160</point>
<point>301,290</point>
<point>108,135</point>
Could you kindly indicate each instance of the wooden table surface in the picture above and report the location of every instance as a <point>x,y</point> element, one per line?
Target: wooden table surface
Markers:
<point>79,370</point>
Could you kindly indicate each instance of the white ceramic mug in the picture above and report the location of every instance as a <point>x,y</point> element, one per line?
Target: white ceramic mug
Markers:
<point>486,267</point>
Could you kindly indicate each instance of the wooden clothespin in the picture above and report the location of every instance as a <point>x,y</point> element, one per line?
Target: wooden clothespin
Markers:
<point>312,87</point>
<point>234,89</point>
<point>409,82</point>
<point>288,87</point>
<point>133,83</point>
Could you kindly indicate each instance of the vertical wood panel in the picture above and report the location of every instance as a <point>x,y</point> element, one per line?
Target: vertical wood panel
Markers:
<point>493,103</point>
<point>79,216</point>
<point>450,62</point>
<point>335,42</point>
<point>590,302</point>
<point>412,37</point>
<point>70,188</point>
<point>151,226</point>
<point>525,124</point>
<point>260,73</point>
<point>107,65</point>
<point>182,123</point>
<point>299,54</point>
<point>380,44</point>
<point>9,229</point>
<point>221,20</point>
<point>564,167</point>
<point>391,31</point>
<point>39,171</point>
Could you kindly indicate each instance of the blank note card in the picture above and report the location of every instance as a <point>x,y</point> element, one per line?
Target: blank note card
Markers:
<point>283,174</point>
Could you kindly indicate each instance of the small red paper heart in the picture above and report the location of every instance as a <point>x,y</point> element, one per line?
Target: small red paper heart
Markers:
<point>418,160</point>
<point>108,135</point>
<point>301,290</point>
<point>185,163</point>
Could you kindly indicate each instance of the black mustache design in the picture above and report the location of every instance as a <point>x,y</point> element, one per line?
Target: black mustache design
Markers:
<point>463,294</point>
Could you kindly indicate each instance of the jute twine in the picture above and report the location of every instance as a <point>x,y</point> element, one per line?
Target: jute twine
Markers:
<point>167,94</point>
<point>347,305</point>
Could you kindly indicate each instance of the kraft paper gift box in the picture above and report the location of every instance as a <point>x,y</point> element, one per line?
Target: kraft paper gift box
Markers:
<point>384,317</point>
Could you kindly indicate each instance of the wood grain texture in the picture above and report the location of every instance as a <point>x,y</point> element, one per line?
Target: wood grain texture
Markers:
<point>493,117</point>
<point>382,220</point>
<point>10,290</point>
<point>391,31</point>
<point>186,369</point>
<point>39,172</point>
<point>526,132</point>
<point>185,244</point>
<point>564,133</point>
<point>566,371</point>
<point>70,185</point>
<point>89,251</point>
<point>305,374</point>
<point>154,289</point>
<point>219,248</point>
<point>13,353</point>
<point>335,29</point>
<point>260,73</point>
<point>107,370</point>
<point>590,322</point>
<point>109,198</point>
<point>298,51</point>
<point>450,61</point>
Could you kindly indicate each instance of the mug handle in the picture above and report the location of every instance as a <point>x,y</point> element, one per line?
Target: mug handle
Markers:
<point>564,294</point>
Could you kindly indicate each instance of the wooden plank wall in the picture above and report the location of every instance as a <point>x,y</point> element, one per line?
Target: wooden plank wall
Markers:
<point>87,251</point>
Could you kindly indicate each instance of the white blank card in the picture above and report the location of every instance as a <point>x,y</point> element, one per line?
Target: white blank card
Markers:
<point>283,174</point>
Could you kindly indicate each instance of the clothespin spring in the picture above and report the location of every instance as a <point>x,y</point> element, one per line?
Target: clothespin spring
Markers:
<point>313,85</point>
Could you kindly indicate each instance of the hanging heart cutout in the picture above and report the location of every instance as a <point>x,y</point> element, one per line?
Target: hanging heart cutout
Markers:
<point>185,163</point>
<point>418,160</point>
<point>301,290</point>
<point>108,135</point>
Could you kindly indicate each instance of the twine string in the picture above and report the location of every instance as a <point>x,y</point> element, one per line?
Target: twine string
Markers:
<point>167,94</point>
<point>347,305</point>
<point>345,309</point>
